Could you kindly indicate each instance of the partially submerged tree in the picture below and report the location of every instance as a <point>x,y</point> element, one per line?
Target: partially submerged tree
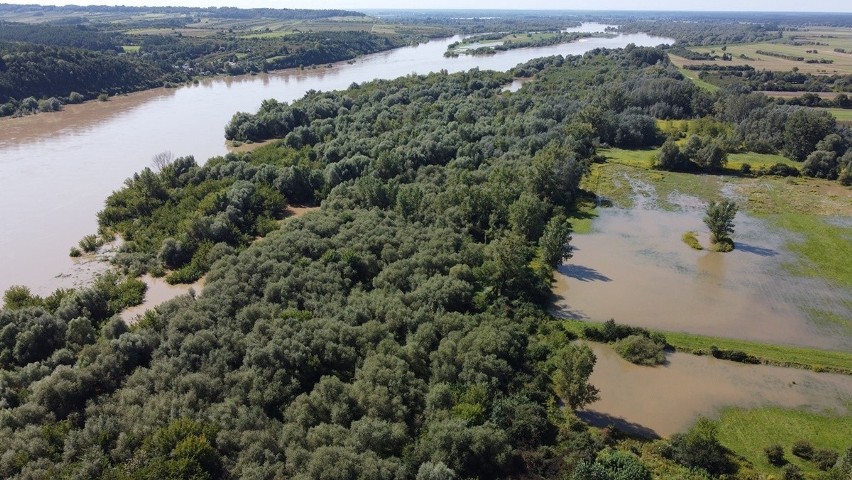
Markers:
<point>719,219</point>
<point>571,378</point>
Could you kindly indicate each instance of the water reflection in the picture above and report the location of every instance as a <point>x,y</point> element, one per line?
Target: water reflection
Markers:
<point>635,268</point>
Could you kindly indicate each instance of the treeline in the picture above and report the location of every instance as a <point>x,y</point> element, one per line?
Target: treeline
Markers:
<point>752,122</point>
<point>236,55</point>
<point>511,44</point>
<point>791,81</point>
<point>30,73</point>
<point>482,21</point>
<point>60,36</point>
<point>793,58</point>
<point>807,99</point>
<point>707,32</point>
<point>74,11</point>
<point>399,332</point>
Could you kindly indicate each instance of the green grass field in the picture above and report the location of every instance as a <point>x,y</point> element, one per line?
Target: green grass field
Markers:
<point>693,75</point>
<point>747,54</point>
<point>782,355</point>
<point>824,247</point>
<point>748,432</point>
<point>757,160</point>
<point>843,115</point>
<point>583,217</point>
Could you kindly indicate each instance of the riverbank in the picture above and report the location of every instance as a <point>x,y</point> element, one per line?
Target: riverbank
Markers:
<point>767,354</point>
<point>661,401</point>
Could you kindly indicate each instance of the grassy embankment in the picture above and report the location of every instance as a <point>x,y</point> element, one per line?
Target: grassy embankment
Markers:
<point>781,355</point>
<point>748,432</point>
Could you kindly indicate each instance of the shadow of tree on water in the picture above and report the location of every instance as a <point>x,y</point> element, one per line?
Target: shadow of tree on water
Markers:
<point>763,252</point>
<point>583,274</point>
<point>601,420</point>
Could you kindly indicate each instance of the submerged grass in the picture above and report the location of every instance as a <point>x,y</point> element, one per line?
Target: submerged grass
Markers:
<point>583,216</point>
<point>748,432</point>
<point>691,239</point>
<point>768,354</point>
<point>824,247</point>
<point>804,208</point>
<point>612,180</point>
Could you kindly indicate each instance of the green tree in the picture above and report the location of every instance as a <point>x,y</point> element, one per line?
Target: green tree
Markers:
<point>821,164</point>
<point>19,296</point>
<point>574,365</point>
<point>804,129</point>
<point>719,218</point>
<point>775,455</point>
<point>435,471</point>
<point>699,447</point>
<point>555,242</point>
<point>711,157</point>
<point>528,216</point>
<point>671,158</point>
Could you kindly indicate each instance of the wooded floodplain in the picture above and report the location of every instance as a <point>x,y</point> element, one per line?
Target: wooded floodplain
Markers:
<point>402,330</point>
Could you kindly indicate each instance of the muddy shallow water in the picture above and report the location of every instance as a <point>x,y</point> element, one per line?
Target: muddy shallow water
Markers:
<point>158,292</point>
<point>667,399</point>
<point>635,268</point>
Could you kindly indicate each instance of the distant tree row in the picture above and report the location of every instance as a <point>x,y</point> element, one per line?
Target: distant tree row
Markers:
<point>34,72</point>
<point>689,32</point>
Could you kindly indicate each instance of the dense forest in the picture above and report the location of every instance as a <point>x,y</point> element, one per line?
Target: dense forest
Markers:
<point>399,332</point>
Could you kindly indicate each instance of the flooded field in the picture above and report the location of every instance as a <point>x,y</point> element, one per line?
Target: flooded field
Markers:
<point>660,401</point>
<point>635,268</point>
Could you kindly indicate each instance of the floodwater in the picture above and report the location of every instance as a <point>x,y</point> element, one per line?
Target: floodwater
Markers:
<point>635,269</point>
<point>662,400</point>
<point>57,169</point>
<point>159,291</point>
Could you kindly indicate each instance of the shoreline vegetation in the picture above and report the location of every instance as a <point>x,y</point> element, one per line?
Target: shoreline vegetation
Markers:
<point>490,44</point>
<point>743,351</point>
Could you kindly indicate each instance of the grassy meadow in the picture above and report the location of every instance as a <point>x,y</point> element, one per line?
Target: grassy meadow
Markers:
<point>748,432</point>
<point>797,44</point>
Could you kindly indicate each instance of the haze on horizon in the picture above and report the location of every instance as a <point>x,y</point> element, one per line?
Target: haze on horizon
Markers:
<point>657,5</point>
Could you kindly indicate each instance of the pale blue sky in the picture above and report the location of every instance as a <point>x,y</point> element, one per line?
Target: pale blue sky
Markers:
<point>710,5</point>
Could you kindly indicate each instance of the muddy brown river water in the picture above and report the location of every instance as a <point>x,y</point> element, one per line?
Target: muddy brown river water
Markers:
<point>635,268</point>
<point>666,399</point>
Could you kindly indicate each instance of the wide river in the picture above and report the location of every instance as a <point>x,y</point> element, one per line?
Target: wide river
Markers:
<point>57,169</point>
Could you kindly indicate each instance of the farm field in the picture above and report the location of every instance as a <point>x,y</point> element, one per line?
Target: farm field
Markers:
<point>842,115</point>
<point>796,44</point>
